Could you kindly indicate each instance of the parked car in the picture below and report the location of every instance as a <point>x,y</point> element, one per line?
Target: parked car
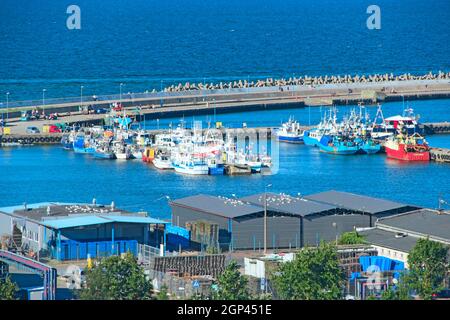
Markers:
<point>444,294</point>
<point>101,111</point>
<point>32,130</point>
<point>54,129</point>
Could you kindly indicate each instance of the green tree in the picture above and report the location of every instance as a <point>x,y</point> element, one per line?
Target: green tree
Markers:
<point>352,237</point>
<point>400,291</point>
<point>8,289</point>
<point>314,274</point>
<point>231,285</point>
<point>428,266</point>
<point>117,278</point>
<point>163,293</point>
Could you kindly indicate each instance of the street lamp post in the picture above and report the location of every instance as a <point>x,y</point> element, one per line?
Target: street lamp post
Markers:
<point>335,227</point>
<point>214,105</point>
<point>43,100</point>
<point>81,97</point>
<point>265,217</point>
<point>160,92</point>
<point>7,107</point>
<point>120,93</point>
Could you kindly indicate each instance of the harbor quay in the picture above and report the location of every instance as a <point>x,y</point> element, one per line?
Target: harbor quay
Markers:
<point>55,241</point>
<point>153,105</point>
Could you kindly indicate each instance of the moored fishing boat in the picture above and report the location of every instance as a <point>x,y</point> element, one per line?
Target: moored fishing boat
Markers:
<point>407,148</point>
<point>80,145</point>
<point>290,132</point>
<point>148,154</point>
<point>191,166</point>
<point>312,137</point>
<point>215,167</point>
<point>104,152</point>
<point>163,162</point>
<point>338,145</point>
<point>121,150</point>
<point>369,146</point>
<point>67,142</point>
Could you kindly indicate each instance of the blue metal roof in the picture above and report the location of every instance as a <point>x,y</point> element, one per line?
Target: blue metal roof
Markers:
<point>88,220</point>
<point>70,222</point>
<point>135,219</point>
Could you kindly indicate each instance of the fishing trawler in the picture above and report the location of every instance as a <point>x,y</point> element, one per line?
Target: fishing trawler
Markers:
<point>407,148</point>
<point>290,132</point>
<point>338,145</point>
<point>190,165</point>
<point>121,150</point>
<point>104,151</point>
<point>81,145</point>
<point>163,161</point>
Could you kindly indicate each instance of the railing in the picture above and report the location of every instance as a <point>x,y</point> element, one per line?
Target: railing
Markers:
<point>146,253</point>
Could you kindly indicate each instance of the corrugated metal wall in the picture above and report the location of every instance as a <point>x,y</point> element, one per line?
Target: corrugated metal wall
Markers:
<point>182,215</point>
<point>282,232</point>
<point>317,228</point>
<point>5,224</point>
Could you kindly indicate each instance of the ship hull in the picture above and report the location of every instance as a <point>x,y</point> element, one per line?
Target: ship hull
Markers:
<point>401,154</point>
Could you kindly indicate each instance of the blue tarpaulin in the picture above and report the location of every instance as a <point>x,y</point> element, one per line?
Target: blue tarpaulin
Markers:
<point>385,264</point>
<point>179,231</point>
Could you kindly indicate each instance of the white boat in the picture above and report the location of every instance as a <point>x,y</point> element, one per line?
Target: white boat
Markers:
<point>162,162</point>
<point>121,151</point>
<point>290,132</point>
<point>190,165</point>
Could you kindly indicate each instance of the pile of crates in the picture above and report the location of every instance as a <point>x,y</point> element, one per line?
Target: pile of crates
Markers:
<point>75,250</point>
<point>204,232</point>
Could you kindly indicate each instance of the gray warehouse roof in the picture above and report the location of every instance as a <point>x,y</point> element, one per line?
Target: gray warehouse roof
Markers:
<point>355,202</point>
<point>45,210</point>
<point>389,240</point>
<point>220,206</point>
<point>288,204</point>
<point>424,222</point>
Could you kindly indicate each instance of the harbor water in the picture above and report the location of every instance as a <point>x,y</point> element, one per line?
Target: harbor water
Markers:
<point>37,174</point>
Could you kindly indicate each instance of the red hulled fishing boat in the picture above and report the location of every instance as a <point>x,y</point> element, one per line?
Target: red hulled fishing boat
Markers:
<point>408,148</point>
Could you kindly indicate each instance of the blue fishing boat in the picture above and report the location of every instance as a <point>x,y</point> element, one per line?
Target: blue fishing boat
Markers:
<point>66,142</point>
<point>369,146</point>
<point>80,146</point>
<point>104,154</point>
<point>338,145</point>
<point>312,137</point>
<point>290,132</point>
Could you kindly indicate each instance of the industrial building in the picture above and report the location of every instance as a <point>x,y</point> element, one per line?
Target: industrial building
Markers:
<point>394,237</point>
<point>70,231</point>
<point>292,222</point>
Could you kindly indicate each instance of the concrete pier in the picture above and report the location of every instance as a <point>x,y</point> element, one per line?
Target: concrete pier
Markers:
<point>185,103</point>
<point>168,104</point>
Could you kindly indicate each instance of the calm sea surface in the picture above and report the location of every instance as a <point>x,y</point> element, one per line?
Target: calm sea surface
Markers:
<point>144,43</point>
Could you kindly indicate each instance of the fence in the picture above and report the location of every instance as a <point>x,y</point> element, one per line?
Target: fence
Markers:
<point>181,288</point>
<point>74,250</point>
<point>146,253</point>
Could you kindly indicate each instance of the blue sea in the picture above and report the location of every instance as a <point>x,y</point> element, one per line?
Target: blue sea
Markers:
<point>143,42</point>
<point>148,43</point>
